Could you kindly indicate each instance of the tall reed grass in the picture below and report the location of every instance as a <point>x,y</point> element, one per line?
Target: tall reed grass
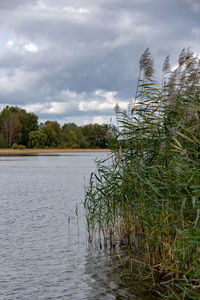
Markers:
<point>147,196</point>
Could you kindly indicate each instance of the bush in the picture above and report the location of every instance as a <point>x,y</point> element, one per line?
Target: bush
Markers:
<point>20,147</point>
<point>14,146</point>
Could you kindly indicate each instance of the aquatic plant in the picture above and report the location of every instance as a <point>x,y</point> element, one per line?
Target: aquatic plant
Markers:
<point>146,195</point>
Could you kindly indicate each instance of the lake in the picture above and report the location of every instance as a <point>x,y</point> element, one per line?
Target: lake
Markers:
<point>44,253</point>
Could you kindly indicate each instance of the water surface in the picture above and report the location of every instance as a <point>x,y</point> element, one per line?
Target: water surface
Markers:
<point>44,252</point>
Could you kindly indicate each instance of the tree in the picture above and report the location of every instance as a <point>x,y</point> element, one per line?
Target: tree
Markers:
<point>11,128</point>
<point>53,132</point>
<point>72,136</point>
<point>96,135</point>
<point>29,122</point>
<point>37,139</point>
<point>3,143</point>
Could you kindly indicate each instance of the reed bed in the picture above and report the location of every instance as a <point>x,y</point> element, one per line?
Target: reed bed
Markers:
<point>146,196</point>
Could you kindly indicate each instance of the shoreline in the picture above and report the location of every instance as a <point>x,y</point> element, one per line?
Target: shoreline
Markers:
<point>13,152</point>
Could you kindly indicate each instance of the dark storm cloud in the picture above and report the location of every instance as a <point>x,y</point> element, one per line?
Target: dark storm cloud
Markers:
<point>76,59</point>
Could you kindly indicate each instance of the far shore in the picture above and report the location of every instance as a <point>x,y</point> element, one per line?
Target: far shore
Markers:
<point>7,152</point>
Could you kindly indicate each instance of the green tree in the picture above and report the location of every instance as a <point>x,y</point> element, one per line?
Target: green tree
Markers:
<point>72,137</point>
<point>37,139</point>
<point>4,114</point>
<point>97,135</point>
<point>29,122</point>
<point>52,130</point>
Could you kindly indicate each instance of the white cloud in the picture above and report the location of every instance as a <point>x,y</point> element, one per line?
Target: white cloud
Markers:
<point>101,120</point>
<point>18,45</point>
<point>10,43</point>
<point>68,95</point>
<point>95,105</point>
<point>74,10</point>
<point>51,108</point>
<point>101,100</point>
<point>18,81</point>
<point>31,47</point>
<point>36,108</point>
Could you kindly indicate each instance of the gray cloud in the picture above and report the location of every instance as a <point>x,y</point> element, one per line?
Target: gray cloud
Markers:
<point>55,56</point>
<point>195,6</point>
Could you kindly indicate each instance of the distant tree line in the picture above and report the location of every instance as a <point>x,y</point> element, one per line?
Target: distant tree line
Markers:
<point>21,129</point>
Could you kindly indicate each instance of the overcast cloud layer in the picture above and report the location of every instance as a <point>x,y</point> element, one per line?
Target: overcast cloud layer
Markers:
<point>72,60</point>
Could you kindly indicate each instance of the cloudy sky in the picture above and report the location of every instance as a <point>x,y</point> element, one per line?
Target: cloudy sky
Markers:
<point>73,60</point>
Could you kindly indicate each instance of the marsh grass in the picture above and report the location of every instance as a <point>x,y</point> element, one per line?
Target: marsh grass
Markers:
<point>147,197</point>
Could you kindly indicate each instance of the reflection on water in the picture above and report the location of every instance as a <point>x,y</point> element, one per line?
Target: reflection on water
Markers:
<point>44,252</point>
<point>102,278</point>
<point>104,271</point>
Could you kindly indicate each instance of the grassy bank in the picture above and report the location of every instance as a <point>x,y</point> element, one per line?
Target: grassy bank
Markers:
<point>6,152</point>
<point>147,196</point>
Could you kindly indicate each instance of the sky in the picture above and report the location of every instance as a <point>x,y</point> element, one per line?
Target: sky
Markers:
<point>73,60</point>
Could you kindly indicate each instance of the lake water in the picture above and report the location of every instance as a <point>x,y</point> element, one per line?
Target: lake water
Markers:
<point>44,252</point>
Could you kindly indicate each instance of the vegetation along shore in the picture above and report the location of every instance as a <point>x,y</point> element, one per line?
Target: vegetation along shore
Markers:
<point>147,196</point>
<point>20,130</point>
<point>13,152</point>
